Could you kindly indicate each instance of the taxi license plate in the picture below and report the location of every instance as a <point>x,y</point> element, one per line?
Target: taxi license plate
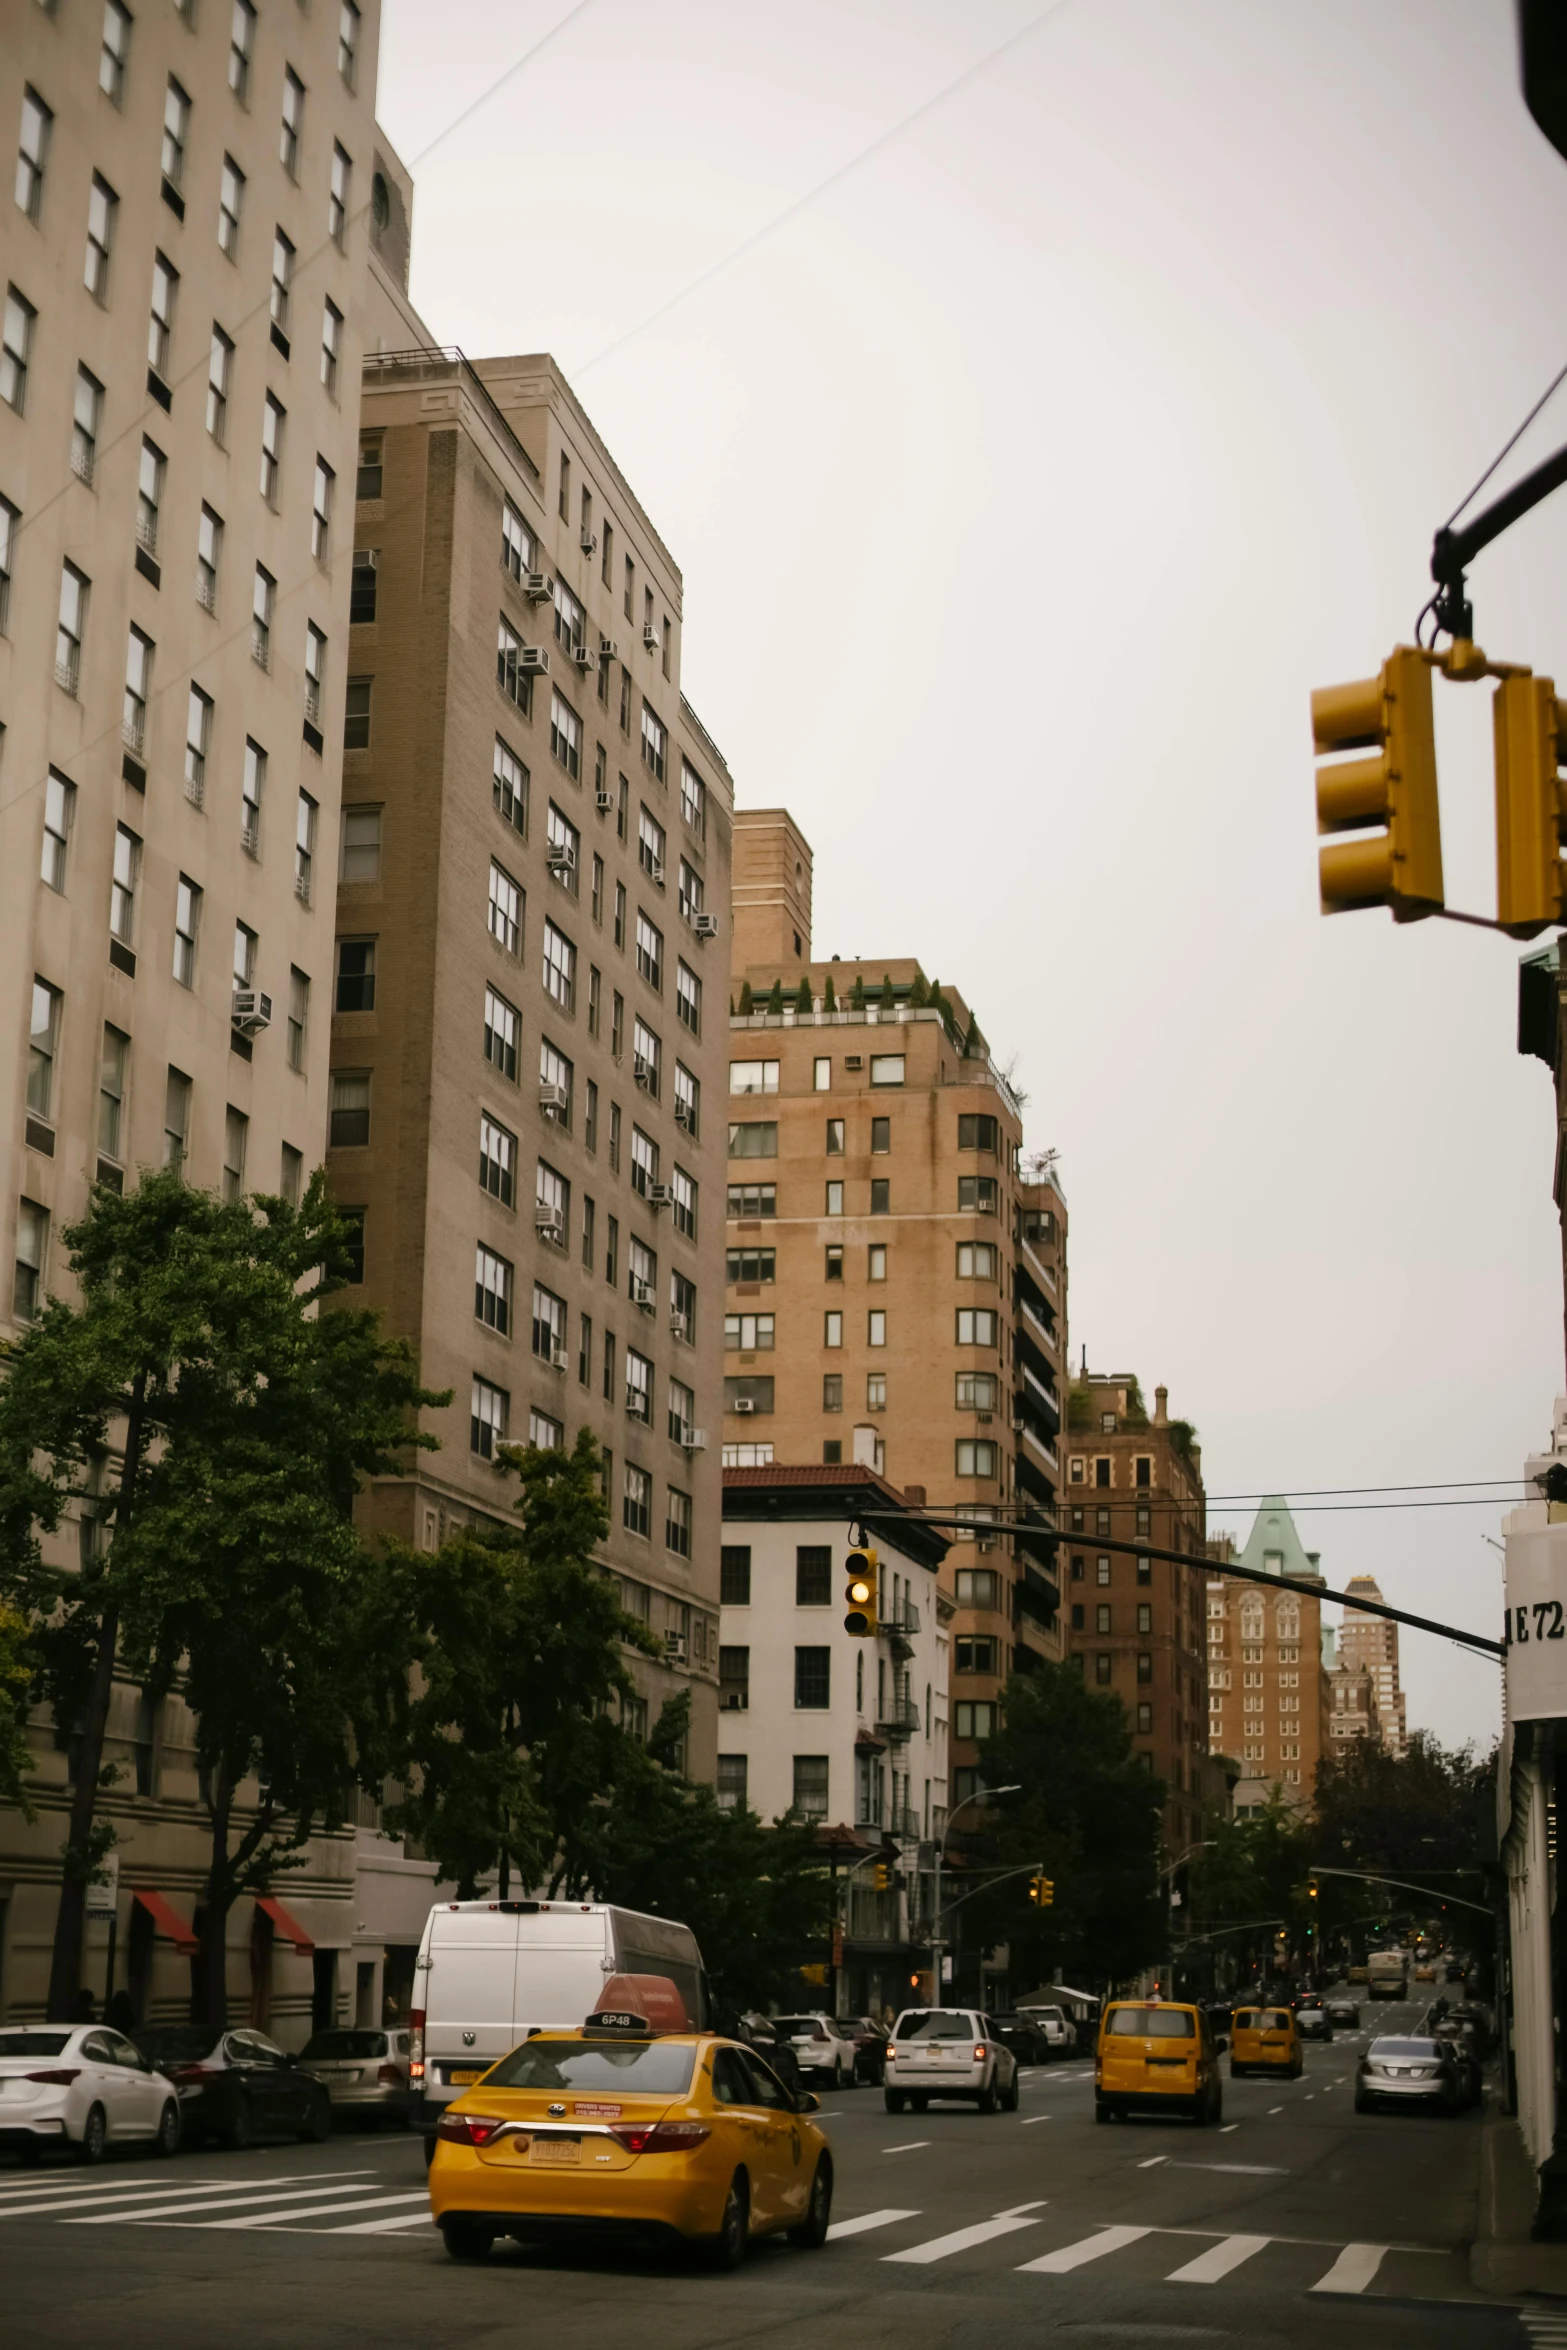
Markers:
<point>555,2150</point>
<point>464,2077</point>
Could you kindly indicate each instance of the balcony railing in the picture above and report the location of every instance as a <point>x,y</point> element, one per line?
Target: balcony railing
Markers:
<point>133,734</point>
<point>902,1719</point>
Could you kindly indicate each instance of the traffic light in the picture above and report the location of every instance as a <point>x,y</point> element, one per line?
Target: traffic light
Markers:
<point>883,1876</point>
<point>1529,723</point>
<point>859,1592</point>
<point>1041,1891</point>
<point>1401,866</point>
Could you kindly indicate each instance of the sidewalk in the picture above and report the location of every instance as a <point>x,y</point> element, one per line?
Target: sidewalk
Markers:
<point>1503,2261</point>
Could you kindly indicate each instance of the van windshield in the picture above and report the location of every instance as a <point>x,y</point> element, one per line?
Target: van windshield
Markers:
<point>1152,2023</point>
<point>638,2068</point>
<point>935,2023</point>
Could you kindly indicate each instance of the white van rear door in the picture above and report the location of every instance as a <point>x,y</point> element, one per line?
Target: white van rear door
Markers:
<point>561,1969</point>
<point>469,1993</point>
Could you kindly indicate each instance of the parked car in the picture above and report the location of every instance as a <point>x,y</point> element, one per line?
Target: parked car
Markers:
<point>237,2086</point>
<point>1344,2015</point>
<point>1397,2071</point>
<point>949,2052</point>
<point>1056,2028</point>
<point>757,2031</point>
<point>870,2047</point>
<point>1474,2011</point>
<point>364,2073</point>
<point>1313,2019</point>
<point>81,2088</point>
<point>1461,2038</point>
<point>1023,2036</point>
<point>822,2049</point>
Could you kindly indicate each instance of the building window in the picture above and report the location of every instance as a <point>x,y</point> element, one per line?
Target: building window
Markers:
<point>501,1025</point>
<point>753,1076</point>
<point>1144,1617</point>
<point>123,885</point>
<point>750,1333</point>
<point>113,1067</point>
<point>519,555</point>
<point>114,54</point>
<point>636,1507</point>
<point>751,1264</point>
<point>545,1432</point>
<point>32,1242</point>
<point>688,998</point>
<point>976,1457</point>
<point>646,1058</point>
<point>978,1587</point>
<point>978,1193</point>
<point>875,1391</point>
<point>650,952</point>
<point>176,1118</point>
<point>881,1195</point>
<point>832,1329</point>
<point>832,1391</point>
<point>876,1328</point>
<point>356,714</point>
<point>655,742</point>
<point>566,735</point>
<point>560,967</point>
<point>355,975</point>
<point>834,1265</point>
<point>732,1782</point>
<point>976,1260</point>
<point>812,1679</point>
<point>489,1416</point>
<point>272,416</point>
<point>974,1718</point>
<point>1144,1666</point>
<point>138,686</point>
<point>350,1116</point>
<point>219,365</point>
<point>43,1039</point>
<point>337,196</point>
<point>32,153</point>
<point>236,1137</point>
<point>976,1326</point>
<point>693,798</point>
<point>293,114</point>
<point>1144,1717</point>
<point>677,1522</point>
<point>682,1303</point>
<point>75,590</point>
<point>198,734</point>
<point>1102,1617</point>
<point>1102,1668</point>
<point>325,482</point>
<point>492,1291</point>
<point>810,1785</point>
<point>833,1199</point>
<point>187,924</point>
<point>650,846</point>
<point>976,1391</point>
<point>813,1578</point>
<point>505,915</point>
<point>331,353</point>
<point>976,1654</point>
<point>209,548</point>
<point>16,345</point>
<point>298,1016</point>
<point>304,846</point>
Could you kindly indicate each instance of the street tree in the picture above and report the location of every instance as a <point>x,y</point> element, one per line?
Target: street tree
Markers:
<point>18,1662</point>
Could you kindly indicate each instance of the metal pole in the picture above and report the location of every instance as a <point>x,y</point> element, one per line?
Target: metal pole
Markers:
<point>937,1945</point>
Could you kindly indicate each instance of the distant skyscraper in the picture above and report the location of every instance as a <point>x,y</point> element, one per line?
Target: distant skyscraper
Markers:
<point>1373,1642</point>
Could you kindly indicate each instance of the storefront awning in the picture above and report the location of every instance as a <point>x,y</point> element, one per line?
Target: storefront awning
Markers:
<point>289,1927</point>
<point>168,1922</point>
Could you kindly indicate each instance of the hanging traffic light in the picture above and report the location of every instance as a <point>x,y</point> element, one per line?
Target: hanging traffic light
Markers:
<point>1400,866</point>
<point>1529,723</point>
<point>859,1592</point>
<point>883,1876</point>
<point>1041,1891</point>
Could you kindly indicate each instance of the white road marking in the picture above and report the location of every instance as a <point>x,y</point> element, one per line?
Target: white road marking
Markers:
<point>908,2148</point>
<point>1060,2264</point>
<point>1029,2120</point>
<point>1016,2210</point>
<point>1153,2161</point>
<point>867,2219</point>
<point>92,2191</point>
<point>1209,2267</point>
<point>1244,2170</point>
<point>1228,2126</point>
<point>138,2195</point>
<point>960,2240</point>
<point>102,2219</point>
<point>1353,2270</point>
<point>374,2227</point>
<point>1275,2109</point>
<point>319,2210</point>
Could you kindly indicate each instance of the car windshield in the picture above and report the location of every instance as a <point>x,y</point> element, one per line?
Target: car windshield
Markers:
<point>1404,2048</point>
<point>638,2068</point>
<point>1151,2023</point>
<point>935,2023</point>
<point>334,2044</point>
<point>800,2027</point>
<point>174,2044</point>
<point>33,2043</point>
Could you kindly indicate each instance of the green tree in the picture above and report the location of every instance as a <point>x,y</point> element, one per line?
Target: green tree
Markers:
<point>18,1663</point>
<point>747,1005</point>
<point>1089,1813</point>
<point>919,993</point>
<point>775,1002</point>
<point>857,994</point>
<point>804,1001</point>
<point>1415,1815</point>
<point>889,994</point>
<point>829,996</point>
<point>1252,1874</point>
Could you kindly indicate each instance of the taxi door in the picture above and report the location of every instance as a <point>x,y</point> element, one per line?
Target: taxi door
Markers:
<point>786,2140</point>
<point>738,2087</point>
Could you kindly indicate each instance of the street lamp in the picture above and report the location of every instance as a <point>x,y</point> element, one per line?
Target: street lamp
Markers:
<point>937,1945</point>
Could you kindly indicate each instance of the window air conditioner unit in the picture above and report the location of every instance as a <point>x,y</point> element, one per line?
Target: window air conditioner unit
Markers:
<point>683,1115</point>
<point>985,1419</point>
<point>986,1542</point>
<point>251,1011</point>
<point>675,1647</point>
<point>659,1195</point>
<point>548,1226</point>
<point>553,1098</point>
<point>641,1070</point>
<point>587,542</point>
<point>538,587</point>
<point>561,857</point>
<point>608,649</point>
<point>695,1440</point>
<point>680,1325</point>
<point>585,657</point>
<point>642,1295</point>
<point>657,871</point>
<point>743,1403</point>
<point>533,661</point>
<point>650,636</point>
<point>853,1061</point>
<point>1019,1424</point>
<point>705,925</point>
<point>731,1702</point>
<point>603,801</point>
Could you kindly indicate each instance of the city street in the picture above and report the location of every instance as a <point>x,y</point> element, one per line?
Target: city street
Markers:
<point>950,2227</point>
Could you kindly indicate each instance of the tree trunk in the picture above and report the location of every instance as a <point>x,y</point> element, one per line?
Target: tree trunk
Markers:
<point>214,1976</point>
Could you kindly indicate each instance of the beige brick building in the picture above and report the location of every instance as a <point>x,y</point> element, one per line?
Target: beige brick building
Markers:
<point>896,1279</point>
<point>1371,1642</point>
<point>529,1012</point>
<point>1135,1624</point>
<point>1352,1700</point>
<point>1268,1701</point>
<point>186,282</point>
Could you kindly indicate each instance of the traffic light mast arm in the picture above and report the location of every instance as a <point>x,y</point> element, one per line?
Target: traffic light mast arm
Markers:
<point>1370,1877</point>
<point>1452,551</point>
<point>1030,1868</point>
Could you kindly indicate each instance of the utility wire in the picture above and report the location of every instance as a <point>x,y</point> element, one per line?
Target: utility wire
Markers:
<point>1299,1492</point>
<point>484,97</point>
<point>1505,450</point>
<point>840,172</point>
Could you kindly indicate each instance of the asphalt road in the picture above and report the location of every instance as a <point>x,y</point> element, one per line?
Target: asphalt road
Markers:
<point>954,2229</point>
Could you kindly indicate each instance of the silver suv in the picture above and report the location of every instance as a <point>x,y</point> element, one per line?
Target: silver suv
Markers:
<point>821,2047</point>
<point>949,2052</point>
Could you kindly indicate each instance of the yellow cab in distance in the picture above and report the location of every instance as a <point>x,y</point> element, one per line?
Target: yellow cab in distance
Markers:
<point>635,2125</point>
<point>1157,2056</point>
<point>1265,2040</point>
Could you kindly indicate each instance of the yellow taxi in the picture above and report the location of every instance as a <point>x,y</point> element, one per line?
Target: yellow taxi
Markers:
<point>1265,2040</point>
<point>632,2126</point>
<point>1156,2055</point>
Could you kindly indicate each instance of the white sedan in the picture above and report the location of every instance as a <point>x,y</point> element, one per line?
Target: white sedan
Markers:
<point>84,2088</point>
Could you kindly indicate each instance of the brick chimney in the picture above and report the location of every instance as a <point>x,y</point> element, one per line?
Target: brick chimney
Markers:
<point>1161,1401</point>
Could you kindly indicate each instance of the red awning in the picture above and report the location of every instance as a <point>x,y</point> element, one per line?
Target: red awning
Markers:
<point>290,1928</point>
<point>168,1923</point>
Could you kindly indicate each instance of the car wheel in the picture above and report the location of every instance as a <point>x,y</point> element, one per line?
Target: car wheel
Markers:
<point>31,2153</point>
<point>1215,2106</point>
<point>1102,2111</point>
<point>840,2081</point>
<point>987,2099</point>
<point>729,2246</point>
<point>894,2101</point>
<point>1362,2105</point>
<point>242,2129</point>
<point>317,2125</point>
<point>167,2141</point>
<point>1014,2096</point>
<point>95,2136</point>
<point>811,2234</point>
<point>467,2239</point>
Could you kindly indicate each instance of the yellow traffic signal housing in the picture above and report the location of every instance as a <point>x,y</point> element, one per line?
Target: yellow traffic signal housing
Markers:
<point>1529,725</point>
<point>883,1877</point>
<point>1041,1891</point>
<point>861,1578</point>
<point>1400,866</point>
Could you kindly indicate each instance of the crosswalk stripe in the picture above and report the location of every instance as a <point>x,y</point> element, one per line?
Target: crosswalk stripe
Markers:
<point>141,2214</point>
<point>129,2195</point>
<point>91,2189</point>
<point>377,2227</point>
<point>269,2219</point>
<point>1070,2256</point>
<point>1209,2267</point>
<point>863,2220</point>
<point>960,2240</point>
<point>1353,2270</point>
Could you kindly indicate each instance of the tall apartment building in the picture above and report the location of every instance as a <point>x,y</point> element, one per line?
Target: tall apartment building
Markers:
<point>1268,1702</point>
<point>185,280</point>
<point>1372,1642</point>
<point>896,1290</point>
<point>529,1022</point>
<point>1352,1704</point>
<point>1135,1624</point>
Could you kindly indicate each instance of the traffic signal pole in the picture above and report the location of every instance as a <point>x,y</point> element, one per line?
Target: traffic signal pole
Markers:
<point>1452,551</point>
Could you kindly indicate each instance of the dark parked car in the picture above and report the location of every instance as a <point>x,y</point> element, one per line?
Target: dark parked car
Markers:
<point>1344,2015</point>
<point>1024,2037</point>
<point>870,2047</point>
<point>757,2032</point>
<point>364,2073</point>
<point>1313,2019</point>
<point>236,2086</point>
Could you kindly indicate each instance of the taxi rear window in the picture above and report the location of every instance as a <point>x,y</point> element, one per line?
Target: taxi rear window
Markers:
<point>637,2068</point>
<point>1151,2023</point>
<point>1263,2019</point>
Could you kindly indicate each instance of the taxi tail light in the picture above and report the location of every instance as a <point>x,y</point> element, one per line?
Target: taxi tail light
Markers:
<point>58,2076</point>
<point>388,2077</point>
<point>468,2129</point>
<point>661,2137</point>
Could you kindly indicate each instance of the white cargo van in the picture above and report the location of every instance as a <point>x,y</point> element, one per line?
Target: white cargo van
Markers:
<point>491,1972</point>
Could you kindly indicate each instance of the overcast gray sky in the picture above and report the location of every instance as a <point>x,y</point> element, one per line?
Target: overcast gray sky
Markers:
<point>1025,482</point>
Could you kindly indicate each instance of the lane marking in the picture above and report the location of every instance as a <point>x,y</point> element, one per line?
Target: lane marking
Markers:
<point>909,2148</point>
<point>137,2195</point>
<point>1275,2109</point>
<point>1243,2170</point>
<point>960,2240</point>
<point>1209,2267</point>
<point>1353,2270</point>
<point>374,2227</point>
<point>1060,2264</point>
<point>1016,2210</point>
<point>103,2219</point>
<point>1153,2161</point>
<point>1228,2126</point>
<point>867,2219</point>
<point>321,2210</point>
<point>1029,2120</point>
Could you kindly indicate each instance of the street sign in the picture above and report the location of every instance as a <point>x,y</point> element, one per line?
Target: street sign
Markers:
<point>1535,1632</point>
<point>103,1900</point>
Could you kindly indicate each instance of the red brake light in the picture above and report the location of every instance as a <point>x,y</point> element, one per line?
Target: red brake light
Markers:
<point>389,2077</point>
<point>661,2137</point>
<point>468,2129</point>
<point>193,2072</point>
<point>59,2077</point>
<point>979,2055</point>
<point>416,2044</point>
